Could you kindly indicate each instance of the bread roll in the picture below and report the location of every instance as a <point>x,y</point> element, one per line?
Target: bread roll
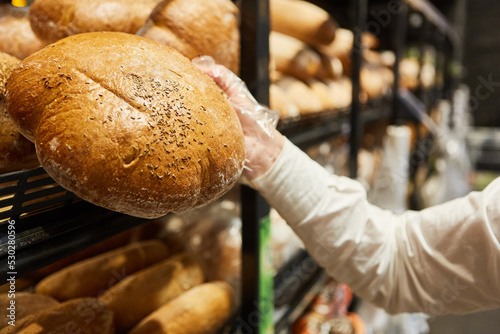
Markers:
<point>201,310</point>
<point>330,68</point>
<point>127,123</point>
<point>16,36</point>
<point>302,20</point>
<point>197,27</point>
<point>278,100</point>
<point>91,277</point>
<point>341,91</point>
<point>25,304</point>
<point>142,293</point>
<point>55,19</point>
<point>83,316</point>
<point>300,94</point>
<point>16,152</point>
<point>293,57</point>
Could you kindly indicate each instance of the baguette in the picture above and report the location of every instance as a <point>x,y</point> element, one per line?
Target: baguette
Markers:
<point>142,293</point>
<point>201,310</point>
<point>82,316</point>
<point>302,20</point>
<point>91,277</point>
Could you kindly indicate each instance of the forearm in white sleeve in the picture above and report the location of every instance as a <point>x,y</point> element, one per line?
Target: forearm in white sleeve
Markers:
<point>445,259</point>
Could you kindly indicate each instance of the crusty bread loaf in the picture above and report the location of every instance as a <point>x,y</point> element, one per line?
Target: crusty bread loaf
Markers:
<point>197,27</point>
<point>341,91</point>
<point>16,36</point>
<point>375,81</point>
<point>302,20</point>
<point>127,123</point>
<point>201,310</point>
<point>92,277</point>
<point>299,94</point>
<point>16,152</point>
<point>142,293</point>
<point>279,101</point>
<point>293,57</point>
<point>25,304</point>
<point>83,316</point>
<point>55,19</point>
<point>331,68</point>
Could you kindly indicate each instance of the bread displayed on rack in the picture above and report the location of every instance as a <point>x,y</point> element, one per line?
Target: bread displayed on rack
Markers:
<point>278,100</point>
<point>200,310</point>
<point>16,36</point>
<point>136,296</point>
<point>302,20</point>
<point>25,304</point>
<point>92,277</point>
<point>52,20</point>
<point>196,28</point>
<point>84,316</point>
<point>16,152</point>
<point>127,124</point>
<point>299,94</point>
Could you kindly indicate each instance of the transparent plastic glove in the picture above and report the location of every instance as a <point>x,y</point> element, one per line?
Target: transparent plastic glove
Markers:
<point>263,143</point>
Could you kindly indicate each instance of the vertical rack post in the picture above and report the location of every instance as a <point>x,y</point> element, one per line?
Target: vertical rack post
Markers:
<point>398,41</point>
<point>254,34</point>
<point>359,8</point>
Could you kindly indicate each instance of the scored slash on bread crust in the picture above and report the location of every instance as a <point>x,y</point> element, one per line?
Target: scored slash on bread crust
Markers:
<point>127,124</point>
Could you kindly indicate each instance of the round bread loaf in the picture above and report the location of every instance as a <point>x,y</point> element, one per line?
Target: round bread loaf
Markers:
<point>127,123</point>
<point>55,19</point>
<point>16,152</point>
<point>16,36</point>
<point>197,27</point>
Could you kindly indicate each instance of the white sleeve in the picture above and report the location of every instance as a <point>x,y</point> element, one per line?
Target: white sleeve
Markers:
<point>445,259</point>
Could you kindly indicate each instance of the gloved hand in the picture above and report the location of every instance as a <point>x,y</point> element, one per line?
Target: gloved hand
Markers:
<point>263,143</point>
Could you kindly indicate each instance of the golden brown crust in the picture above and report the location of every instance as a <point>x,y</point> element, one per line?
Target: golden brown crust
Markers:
<point>16,36</point>
<point>25,304</point>
<point>302,20</point>
<point>197,27</point>
<point>92,277</point>
<point>142,293</point>
<point>56,19</point>
<point>84,316</point>
<point>127,124</point>
<point>201,310</point>
<point>16,152</point>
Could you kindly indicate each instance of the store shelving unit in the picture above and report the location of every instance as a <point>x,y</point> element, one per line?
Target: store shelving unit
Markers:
<point>52,223</point>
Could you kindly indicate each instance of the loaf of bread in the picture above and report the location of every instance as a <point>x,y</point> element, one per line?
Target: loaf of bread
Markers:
<point>24,304</point>
<point>201,310</point>
<point>299,94</point>
<point>330,68</point>
<point>197,27</point>
<point>278,100</point>
<point>52,20</point>
<point>16,152</point>
<point>138,295</point>
<point>302,20</point>
<point>127,123</point>
<point>375,81</point>
<point>16,36</point>
<point>323,94</point>
<point>341,91</point>
<point>293,57</point>
<point>83,316</point>
<point>92,277</point>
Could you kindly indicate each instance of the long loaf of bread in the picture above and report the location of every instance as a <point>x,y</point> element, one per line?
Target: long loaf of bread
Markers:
<point>201,310</point>
<point>91,277</point>
<point>142,293</point>
<point>25,304</point>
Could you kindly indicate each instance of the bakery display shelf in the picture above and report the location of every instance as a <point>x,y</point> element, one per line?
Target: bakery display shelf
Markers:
<point>285,316</point>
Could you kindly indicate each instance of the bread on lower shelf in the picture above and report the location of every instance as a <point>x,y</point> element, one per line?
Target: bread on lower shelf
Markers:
<point>132,299</point>
<point>201,310</point>
<point>91,277</point>
<point>25,304</point>
<point>83,316</point>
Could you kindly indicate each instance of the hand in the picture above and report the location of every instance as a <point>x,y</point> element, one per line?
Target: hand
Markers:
<point>263,142</point>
